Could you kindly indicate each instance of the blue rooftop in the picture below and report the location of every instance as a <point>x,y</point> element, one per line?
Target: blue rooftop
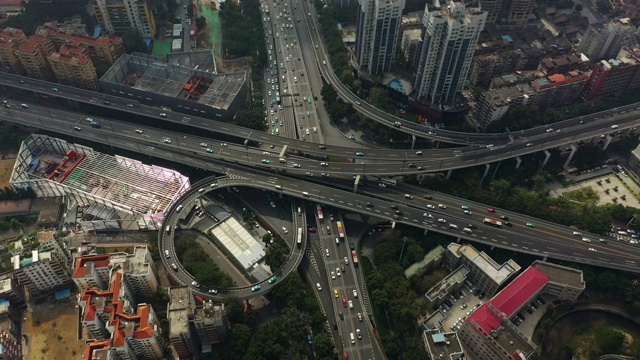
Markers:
<point>96,31</point>
<point>507,38</point>
<point>438,338</point>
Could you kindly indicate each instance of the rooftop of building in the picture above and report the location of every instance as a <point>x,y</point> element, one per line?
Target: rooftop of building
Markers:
<point>96,350</point>
<point>189,76</point>
<point>498,273</point>
<point>454,11</point>
<point>442,345</point>
<point>412,34</point>
<point>130,184</point>
<point>84,266</point>
<point>237,240</point>
<point>134,264</point>
<point>181,306</point>
<point>434,255</point>
<point>32,44</point>
<point>9,35</point>
<point>441,289</point>
<point>571,60</point>
<point>560,79</point>
<point>626,57</point>
<point>71,55</point>
<point>561,274</point>
<point>509,299</point>
<point>511,341</point>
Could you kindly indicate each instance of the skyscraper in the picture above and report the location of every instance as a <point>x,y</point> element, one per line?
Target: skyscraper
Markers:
<point>450,36</point>
<point>377,34</point>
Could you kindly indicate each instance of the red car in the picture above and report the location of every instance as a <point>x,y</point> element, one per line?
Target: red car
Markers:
<point>492,210</point>
<point>346,356</point>
<point>312,229</point>
<point>344,302</point>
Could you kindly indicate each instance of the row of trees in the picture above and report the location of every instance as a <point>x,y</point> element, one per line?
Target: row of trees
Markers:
<point>533,200</point>
<point>243,33</point>
<point>333,41</point>
<point>198,263</point>
<point>528,116</point>
<point>283,336</point>
<point>395,297</point>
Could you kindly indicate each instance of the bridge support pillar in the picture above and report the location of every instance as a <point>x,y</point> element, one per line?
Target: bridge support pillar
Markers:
<point>547,155</point>
<point>436,144</point>
<point>606,143</point>
<point>426,231</point>
<point>573,152</point>
<point>413,142</point>
<point>449,174</point>
<point>393,225</point>
<point>486,171</point>
<point>518,162</point>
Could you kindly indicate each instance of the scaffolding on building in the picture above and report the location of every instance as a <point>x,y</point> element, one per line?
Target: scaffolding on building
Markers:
<point>53,167</point>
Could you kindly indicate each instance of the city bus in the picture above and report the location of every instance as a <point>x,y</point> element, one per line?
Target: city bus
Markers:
<point>492,222</point>
<point>299,240</point>
<point>388,181</point>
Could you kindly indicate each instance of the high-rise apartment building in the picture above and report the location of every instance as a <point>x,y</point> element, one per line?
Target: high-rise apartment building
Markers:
<point>129,331</point>
<point>116,16</point>
<point>10,41</point>
<point>33,56</point>
<point>604,41</point>
<point>93,272</point>
<point>411,47</point>
<point>450,36</point>
<point>72,66</point>
<point>511,11</point>
<point>194,327</point>
<point>377,34</point>
<point>47,268</point>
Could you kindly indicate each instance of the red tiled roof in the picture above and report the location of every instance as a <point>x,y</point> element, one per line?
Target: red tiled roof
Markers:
<point>96,345</point>
<point>509,299</point>
<point>519,290</point>
<point>99,260</point>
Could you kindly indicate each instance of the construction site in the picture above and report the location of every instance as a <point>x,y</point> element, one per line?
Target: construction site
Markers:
<point>186,82</point>
<point>105,192</point>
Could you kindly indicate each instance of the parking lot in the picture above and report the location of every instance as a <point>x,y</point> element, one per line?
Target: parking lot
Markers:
<point>463,307</point>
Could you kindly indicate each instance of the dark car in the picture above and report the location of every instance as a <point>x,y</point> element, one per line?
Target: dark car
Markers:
<point>429,197</point>
<point>504,217</point>
<point>395,207</point>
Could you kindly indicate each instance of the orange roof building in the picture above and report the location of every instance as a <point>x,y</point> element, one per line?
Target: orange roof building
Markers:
<point>10,40</point>
<point>72,66</point>
<point>124,329</point>
<point>33,56</point>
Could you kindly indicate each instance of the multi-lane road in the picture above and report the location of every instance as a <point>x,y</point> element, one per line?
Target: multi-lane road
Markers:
<point>373,162</point>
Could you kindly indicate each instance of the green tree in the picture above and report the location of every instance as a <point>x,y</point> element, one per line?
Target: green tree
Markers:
<point>378,97</point>
<point>603,6</point>
<point>322,344</point>
<point>609,340</point>
<point>234,308</point>
<point>239,341</point>
<point>201,22</point>
<point>578,7</point>
<point>133,41</point>
<point>276,255</point>
<point>252,119</point>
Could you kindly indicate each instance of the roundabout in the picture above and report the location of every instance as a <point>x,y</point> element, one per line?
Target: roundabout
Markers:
<point>190,206</point>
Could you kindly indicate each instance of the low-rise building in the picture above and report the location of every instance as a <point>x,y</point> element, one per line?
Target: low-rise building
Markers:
<point>560,89</point>
<point>194,328</point>
<point>486,67</point>
<point>440,291</point>
<point>615,76</point>
<point>492,105</point>
<point>484,272</point>
<point>627,8</point>
<point>560,64</point>
<point>488,332</point>
<point>443,345</point>
<point>432,259</point>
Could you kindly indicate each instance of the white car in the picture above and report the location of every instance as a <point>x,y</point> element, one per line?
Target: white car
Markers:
<point>327,250</point>
<point>614,126</point>
<point>442,206</point>
<point>338,272</point>
<point>442,220</point>
<point>427,215</point>
<point>346,260</point>
<point>355,293</point>
<point>350,304</point>
<point>333,275</point>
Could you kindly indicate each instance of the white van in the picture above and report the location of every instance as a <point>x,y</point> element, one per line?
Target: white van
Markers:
<point>201,190</point>
<point>278,187</point>
<point>453,226</point>
<point>338,241</point>
<point>283,160</point>
<point>304,193</point>
<point>179,208</point>
<point>295,79</point>
<point>407,196</point>
<point>299,211</point>
<point>359,333</point>
<point>284,229</point>
<point>353,338</point>
<point>467,230</point>
<point>315,130</point>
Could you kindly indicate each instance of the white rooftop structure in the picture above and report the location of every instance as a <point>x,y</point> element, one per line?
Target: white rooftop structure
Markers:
<point>239,242</point>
